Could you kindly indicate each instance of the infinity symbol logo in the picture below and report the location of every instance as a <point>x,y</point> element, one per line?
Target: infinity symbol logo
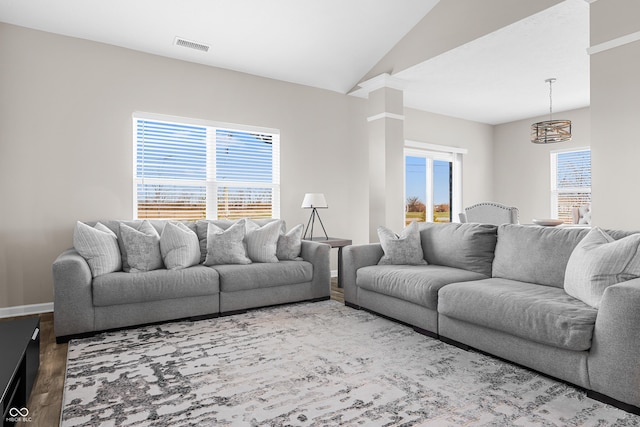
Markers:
<point>14,412</point>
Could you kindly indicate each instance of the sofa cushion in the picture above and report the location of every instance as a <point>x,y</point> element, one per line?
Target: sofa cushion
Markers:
<point>262,241</point>
<point>418,284</point>
<point>201,227</point>
<point>535,254</point>
<point>263,275</point>
<point>598,262</point>
<point>226,246</point>
<point>403,248</point>
<point>466,246</point>
<point>99,247</point>
<point>158,224</point>
<point>140,248</point>
<point>125,288</point>
<point>539,313</point>
<point>290,244</point>
<point>179,246</point>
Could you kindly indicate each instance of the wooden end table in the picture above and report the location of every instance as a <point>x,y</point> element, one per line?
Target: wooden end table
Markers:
<point>335,242</point>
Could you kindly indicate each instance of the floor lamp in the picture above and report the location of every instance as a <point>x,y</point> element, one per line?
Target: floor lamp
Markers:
<point>314,201</point>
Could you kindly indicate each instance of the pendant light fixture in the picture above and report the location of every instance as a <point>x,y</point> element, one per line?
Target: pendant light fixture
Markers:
<point>551,131</point>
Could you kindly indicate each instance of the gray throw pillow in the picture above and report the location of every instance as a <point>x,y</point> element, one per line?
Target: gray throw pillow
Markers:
<point>599,261</point>
<point>262,241</point>
<point>203,225</point>
<point>142,247</point>
<point>290,244</point>
<point>179,246</point>
<point>403,249</point>
<point>99,247</point>
<point>226,246</point>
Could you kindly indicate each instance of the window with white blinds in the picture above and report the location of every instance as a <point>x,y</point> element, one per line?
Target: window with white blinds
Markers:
<point>570,181</point>
<point>190,169</point>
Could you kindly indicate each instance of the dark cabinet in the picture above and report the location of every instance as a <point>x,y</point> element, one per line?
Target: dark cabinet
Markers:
<point>19,363</point>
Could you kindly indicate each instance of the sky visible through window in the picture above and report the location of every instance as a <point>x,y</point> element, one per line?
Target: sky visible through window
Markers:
<point>173,167</point>
<point>416,179</point>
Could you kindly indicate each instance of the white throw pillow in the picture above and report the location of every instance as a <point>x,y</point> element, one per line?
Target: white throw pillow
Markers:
<point>290,244</point>
<point>99,247</point>
<point>226,246</point>
<point>262,242</point>
<point>142,247</point>
<point>403,249</point>
<point>599,261</point>
<point>179,246</point>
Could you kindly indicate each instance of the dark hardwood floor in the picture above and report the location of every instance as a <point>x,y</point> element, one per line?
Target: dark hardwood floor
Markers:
<point>45,402</point>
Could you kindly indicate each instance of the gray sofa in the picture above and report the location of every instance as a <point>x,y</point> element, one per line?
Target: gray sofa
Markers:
<point>84,304</point>
<point>500,290</point>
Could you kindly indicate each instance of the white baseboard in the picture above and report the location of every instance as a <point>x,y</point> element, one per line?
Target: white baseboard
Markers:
<point>25,310</point>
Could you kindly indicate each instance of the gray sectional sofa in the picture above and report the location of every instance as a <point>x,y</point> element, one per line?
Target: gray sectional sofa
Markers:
<point>84,304</point>
<point>500,290</point>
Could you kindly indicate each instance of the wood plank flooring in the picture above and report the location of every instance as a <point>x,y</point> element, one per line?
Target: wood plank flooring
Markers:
<point>45,403</point>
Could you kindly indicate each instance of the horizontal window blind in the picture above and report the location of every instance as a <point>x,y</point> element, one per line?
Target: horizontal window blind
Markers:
<point>190,171</point>
<point>570,182</point>
<point>574,169</point>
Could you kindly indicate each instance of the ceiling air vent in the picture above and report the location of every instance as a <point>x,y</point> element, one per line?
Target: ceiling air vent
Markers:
<point>191,44</point>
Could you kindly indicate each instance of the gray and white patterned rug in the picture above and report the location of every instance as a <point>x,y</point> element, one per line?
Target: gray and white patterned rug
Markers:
<point>318,364</point>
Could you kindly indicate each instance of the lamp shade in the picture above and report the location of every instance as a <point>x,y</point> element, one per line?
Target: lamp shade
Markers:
<point>314,200</point>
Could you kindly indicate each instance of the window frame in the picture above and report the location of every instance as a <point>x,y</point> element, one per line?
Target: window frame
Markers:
<point>437,152</point>
<point>554,191</point>
<point>211,183</point>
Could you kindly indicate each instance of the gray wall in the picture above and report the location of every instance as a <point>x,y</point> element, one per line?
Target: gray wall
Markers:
<point>522,174</point>
<point>477,138</point>
<point>66,141</point>
<point>66,148</point>
<point>615,114</point>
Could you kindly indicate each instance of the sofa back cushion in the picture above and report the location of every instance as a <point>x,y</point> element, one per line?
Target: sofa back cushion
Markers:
<point>467,246</point>
<point>535,254</point>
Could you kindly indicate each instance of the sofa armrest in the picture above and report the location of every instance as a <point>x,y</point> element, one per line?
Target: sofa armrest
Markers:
<point>613,359</point>
<point>318,255</point>
<point>73,298</point>
<point>353,258</point>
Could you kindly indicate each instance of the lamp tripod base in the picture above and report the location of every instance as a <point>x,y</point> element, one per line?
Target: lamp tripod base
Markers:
<point>312,220</point>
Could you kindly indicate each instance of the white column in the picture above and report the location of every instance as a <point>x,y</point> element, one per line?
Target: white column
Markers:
<point>386,154</point>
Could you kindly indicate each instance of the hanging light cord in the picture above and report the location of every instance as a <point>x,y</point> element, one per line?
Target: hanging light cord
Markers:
<point>550,100</point>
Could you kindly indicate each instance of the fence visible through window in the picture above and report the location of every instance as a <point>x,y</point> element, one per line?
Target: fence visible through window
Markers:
<point>188,170</point>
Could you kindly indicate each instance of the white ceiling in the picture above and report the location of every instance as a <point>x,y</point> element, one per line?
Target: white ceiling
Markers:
<point>501,77</point>
<point>328,44</point>
<point>331,44</point>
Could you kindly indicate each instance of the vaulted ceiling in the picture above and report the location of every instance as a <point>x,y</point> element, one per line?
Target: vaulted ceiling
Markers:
<point>481,69</point>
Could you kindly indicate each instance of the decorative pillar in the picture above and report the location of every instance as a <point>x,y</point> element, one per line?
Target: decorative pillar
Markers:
<point>386,153</point>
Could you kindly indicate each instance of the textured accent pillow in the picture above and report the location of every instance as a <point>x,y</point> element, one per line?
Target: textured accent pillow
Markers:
<point>599,261</point>
<point>142,247</point>
<point>202,227</point>
<point>99,246</point>
<point>179,246</point>
<point>290,244</point>
<point>226,246</point>
<point>262,241</point>
<point>403,249</point>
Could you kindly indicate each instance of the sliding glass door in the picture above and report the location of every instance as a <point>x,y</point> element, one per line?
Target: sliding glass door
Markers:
<point>429,186</point>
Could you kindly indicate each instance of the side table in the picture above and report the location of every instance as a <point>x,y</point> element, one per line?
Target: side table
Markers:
<point>335,242</point>
<point>19,363</point>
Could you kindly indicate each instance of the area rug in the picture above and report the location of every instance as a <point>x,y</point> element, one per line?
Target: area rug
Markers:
<point>314,364</point>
